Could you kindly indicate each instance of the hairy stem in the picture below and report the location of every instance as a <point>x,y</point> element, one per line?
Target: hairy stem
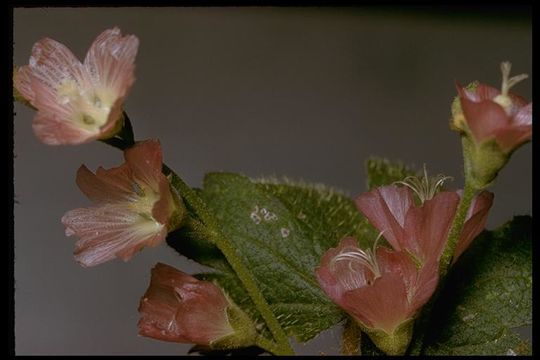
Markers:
<point>350,339</point>
<point>269,346</point>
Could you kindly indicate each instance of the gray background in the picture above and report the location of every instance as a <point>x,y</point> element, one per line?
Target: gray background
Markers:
<point>303,92</point>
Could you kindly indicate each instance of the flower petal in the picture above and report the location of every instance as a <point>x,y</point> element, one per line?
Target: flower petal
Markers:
<point>382,305</point>
<point>386,208</point>
<point>335,278</point>
<point>427,227</point>
<point>110,231</point>
<point>524,115</point>
<point>110,61</point>
<point>424,286</point>
<point>177,307</point>
<point>484,118</point>
<point>146,161</point>
<point>51,129</point>
<point>475,221</point>
<point>512,137</point>
<point>106,186</point>
<point>53,63</point>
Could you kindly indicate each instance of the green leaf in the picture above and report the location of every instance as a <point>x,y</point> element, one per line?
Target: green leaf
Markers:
<point>327,214</point>
<point>383,172</point>
<point>279,250</point>
<point>488,292</point>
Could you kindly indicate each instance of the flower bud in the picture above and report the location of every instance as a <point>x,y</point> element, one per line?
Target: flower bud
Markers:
<point>493,124</point>
<point>179,308</point>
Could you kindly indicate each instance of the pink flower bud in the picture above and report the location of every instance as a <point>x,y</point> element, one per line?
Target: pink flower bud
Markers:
<point>493,125</point>
<point>507,121</point>
<point>78,102</point>
<point>134,206</point>
<point>179,308</point>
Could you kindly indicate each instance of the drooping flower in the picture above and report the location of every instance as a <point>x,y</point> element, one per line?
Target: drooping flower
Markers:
<point>492,114</point>
<point>179,308</point>
<point>381,289</point>
<point>78,102</point>
<point>422,230</point>
<point>134,207</point>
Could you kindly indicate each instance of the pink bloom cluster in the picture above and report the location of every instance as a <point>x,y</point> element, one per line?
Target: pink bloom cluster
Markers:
<point>384,288</point>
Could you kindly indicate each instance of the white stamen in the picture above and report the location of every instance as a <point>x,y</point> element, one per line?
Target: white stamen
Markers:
<point>366,258</point>
<point>425,187</point>
<point>507,81</point>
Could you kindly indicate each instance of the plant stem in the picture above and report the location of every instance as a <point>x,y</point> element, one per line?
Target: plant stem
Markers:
<point>198,206</point>
<point>269,346</point>
<point>350,339</point>
<point>208,230</point>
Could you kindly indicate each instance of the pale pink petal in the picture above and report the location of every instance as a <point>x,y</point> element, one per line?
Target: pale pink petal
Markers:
<point>336,277</point>
<point>110,61</point>
<point>386,208</point>
<point>164,207</point>
<point>50,129</point>
<point>511,137</point>
<point>146,161</point>
<point>22,81</point>
<point>382,305</point>
<point>484,118</point>
<point>177,307</point>
<point>107,186</point>
<point>425,285</point>
<point>53,63</point>
<point>475,221</point>
<point>57,123</point>
<point>427,227</point>
<point>486,92</point>
<point>523,116</point>
<point>480,93</point>
<point>110,231</point>
<point>518,103</point>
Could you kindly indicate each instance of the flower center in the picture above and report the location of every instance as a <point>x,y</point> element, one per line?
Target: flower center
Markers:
<point>93,106</point>
<point>507,83</point>
<point>143,202</point>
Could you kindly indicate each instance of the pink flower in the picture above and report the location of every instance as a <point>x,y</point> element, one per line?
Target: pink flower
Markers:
<point>134,206</point>
<point>380,289</point>
<point>177,307</point>
<point>499,115</point>
<point>422,230</point>
<point>78,102</point>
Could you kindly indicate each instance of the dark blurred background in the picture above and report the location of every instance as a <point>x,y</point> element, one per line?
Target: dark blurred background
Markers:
<point>306,92</point>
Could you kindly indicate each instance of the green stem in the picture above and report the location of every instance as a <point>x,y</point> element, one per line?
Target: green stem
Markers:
<point>209,231</point>
<point>350,339</point>
<point>269,346</point>
<point>211,228</point>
